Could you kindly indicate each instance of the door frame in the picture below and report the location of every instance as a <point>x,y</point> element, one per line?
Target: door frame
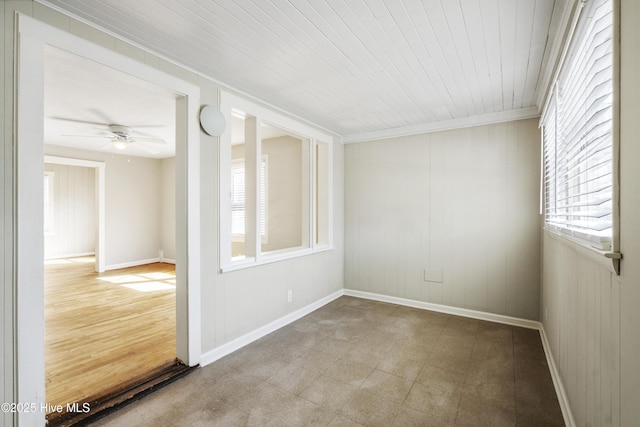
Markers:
<point>100,176</point>
<point>32,37</point>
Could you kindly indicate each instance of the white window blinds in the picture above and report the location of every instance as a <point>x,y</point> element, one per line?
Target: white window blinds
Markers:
<point>577,132</point>
<point>238,198</point>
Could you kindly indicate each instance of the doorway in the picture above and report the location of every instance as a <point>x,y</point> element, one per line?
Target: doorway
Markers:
<point>117,328</point>
<point>34,37</point>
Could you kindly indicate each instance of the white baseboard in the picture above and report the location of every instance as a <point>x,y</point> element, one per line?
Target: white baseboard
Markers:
<point>132,264</point>
<point>167,260</point>
<point>481,315</point>
<point>563,399</point>
<point>238,343</point>
<point>76,255</point>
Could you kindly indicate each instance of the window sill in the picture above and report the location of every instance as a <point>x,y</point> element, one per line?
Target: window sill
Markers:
<point>272,257</point>
<point>607,259</point>
<point>239,238</point>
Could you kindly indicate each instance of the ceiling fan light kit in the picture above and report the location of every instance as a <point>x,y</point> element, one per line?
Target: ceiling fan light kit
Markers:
<point>120,142</point>
<point>212,120</point>
<point>121,136</point>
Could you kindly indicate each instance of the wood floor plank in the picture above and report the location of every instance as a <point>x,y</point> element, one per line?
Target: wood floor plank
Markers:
<point>101,330</point>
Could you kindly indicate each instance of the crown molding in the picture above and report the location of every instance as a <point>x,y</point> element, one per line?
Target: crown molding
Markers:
<point>483,119</point>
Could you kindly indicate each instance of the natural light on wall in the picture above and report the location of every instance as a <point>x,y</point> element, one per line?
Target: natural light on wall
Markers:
<point>275,186</point>
<point>578,133</point>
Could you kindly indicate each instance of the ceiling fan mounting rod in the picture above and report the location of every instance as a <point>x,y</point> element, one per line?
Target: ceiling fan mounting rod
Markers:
<point>119,130</point>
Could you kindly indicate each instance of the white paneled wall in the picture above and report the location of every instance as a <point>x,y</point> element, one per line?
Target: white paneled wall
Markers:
<point>581,299</point>
<point>139,205</point>
<point>459,204</point>
<point>74,215</point>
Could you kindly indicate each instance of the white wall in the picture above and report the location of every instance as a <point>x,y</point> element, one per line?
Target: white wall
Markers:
<point>461,203</point>
<point>233,304</point>
<point>74,212</point>
<point>593,318</point>
<point>135,200</point>
<point>581,298</point>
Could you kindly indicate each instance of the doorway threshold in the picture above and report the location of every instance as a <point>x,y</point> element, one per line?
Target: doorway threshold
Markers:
<point>99,406</point>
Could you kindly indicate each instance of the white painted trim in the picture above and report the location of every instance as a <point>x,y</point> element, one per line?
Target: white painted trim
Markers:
<point>69,161</point>
<point>76,255</point>
<point>32,36</point>
<point>29,376</point>
<point>583,248</point>
<point>133,263</point>
<point>563,399</point>
<point>101,188</point>
<point>260,114</point>
<point>275,256</point>
<point>465,122</point>
<point>474,314</point>
<point>228,348</point>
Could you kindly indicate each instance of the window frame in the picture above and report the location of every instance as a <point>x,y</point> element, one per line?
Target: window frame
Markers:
<point>590,243</point>
<point>552,126</point>
<point>230,104</point>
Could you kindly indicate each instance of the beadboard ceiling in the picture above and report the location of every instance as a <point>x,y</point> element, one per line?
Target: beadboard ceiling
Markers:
<point>360,68</point>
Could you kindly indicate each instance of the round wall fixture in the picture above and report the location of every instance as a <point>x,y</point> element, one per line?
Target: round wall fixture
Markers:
<point>212,120</point>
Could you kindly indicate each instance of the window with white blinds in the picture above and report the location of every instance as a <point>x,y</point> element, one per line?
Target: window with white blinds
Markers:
<point>238,198</point>
<point>577,126</point>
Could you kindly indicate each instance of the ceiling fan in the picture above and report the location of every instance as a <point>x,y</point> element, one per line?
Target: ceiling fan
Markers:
<point>121,137</point>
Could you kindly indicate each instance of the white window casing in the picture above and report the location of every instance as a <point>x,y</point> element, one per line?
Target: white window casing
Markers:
<point>579,136</point>
<point>317,197</point>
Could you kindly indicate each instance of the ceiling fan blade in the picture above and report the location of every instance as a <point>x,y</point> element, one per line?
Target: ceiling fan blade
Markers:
<point>102,115</point>
<point>66,119</point>
<point>86,136</point>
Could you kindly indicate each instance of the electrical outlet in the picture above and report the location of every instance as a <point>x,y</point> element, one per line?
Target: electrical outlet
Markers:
<point>289,295</point>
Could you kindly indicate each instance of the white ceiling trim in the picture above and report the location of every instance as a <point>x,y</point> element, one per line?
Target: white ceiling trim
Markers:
<point>483,119</point>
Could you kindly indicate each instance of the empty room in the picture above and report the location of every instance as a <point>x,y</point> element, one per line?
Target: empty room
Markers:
<point>337,213</point>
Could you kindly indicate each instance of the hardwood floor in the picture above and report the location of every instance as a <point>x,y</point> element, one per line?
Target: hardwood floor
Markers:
<point>102,330</point>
